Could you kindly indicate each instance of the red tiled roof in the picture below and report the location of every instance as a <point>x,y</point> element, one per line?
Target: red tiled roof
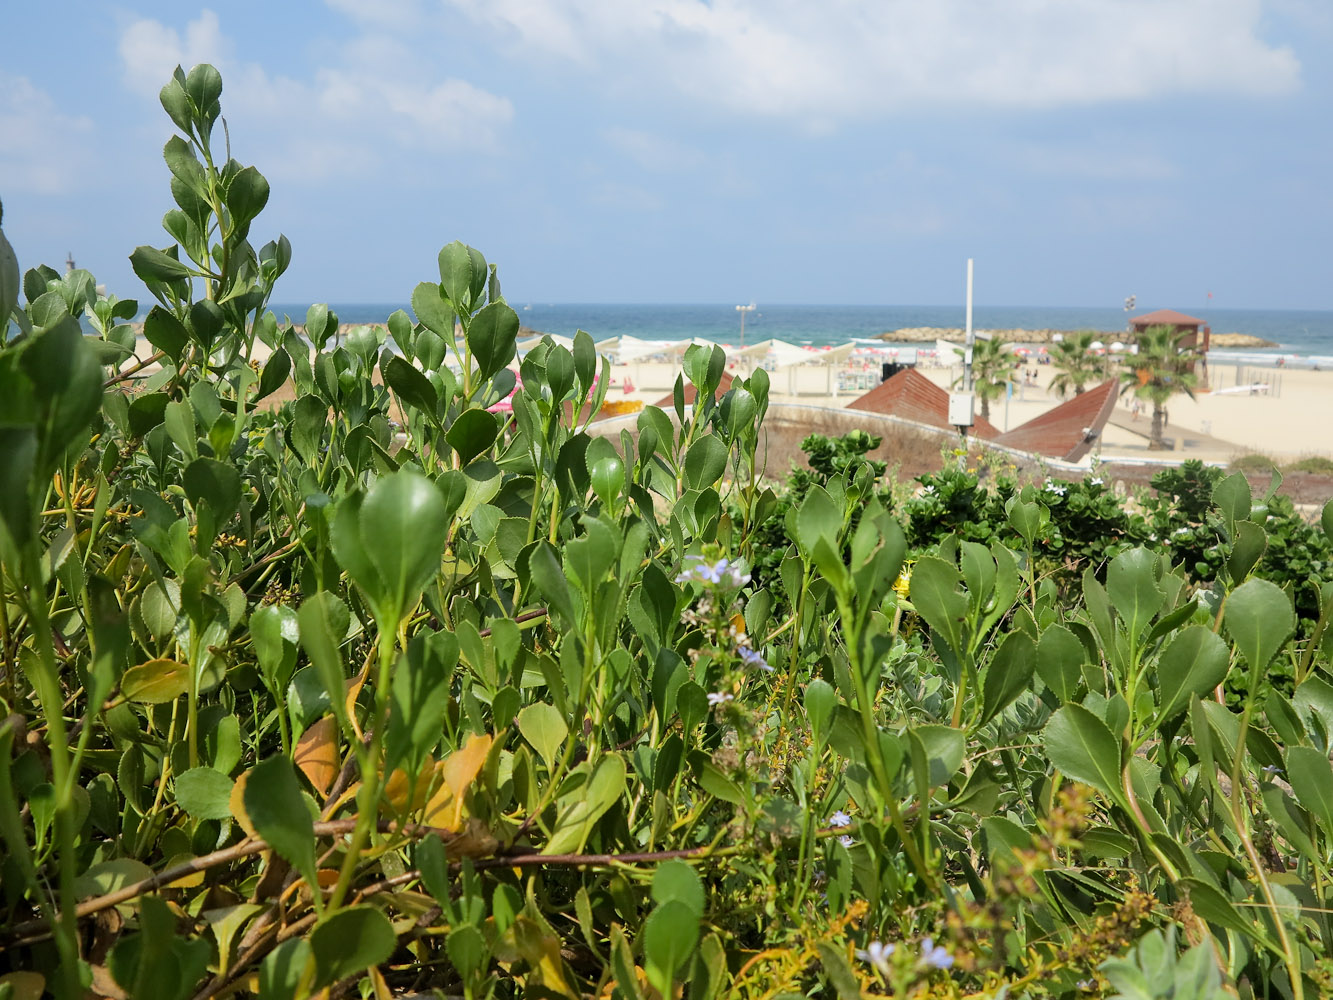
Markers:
<point>669,400</point>
<point>1068,431</point>
<point>1166,317</point>
<point>912,396</point>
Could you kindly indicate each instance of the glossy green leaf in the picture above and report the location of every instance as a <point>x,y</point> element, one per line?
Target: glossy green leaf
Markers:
<point>1193,663</point>
<point>350,941</point>
<point>669,937</point>
<point>1008,674</point>
<point>277,810</point>
<point>1311,776</point>
<point>1079,745</point>
<point>820,700</point>
<point>1060,659</point>
<point>1131,584</point>
<point>705,462</point>
<point>1259,619</point>
<point>216,483</point>
<point>204,793</point>
<point>472,432</point>
<point>492,336</point>
<point>544,727</point>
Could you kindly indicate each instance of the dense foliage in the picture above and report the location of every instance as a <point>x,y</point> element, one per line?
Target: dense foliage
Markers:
<point>381,691</point>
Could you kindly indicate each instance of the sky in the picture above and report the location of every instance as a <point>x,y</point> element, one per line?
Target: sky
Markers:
<point>843,151</point>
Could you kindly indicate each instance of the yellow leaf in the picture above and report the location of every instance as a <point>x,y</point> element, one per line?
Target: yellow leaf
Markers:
<point>406,795</point>
<point>354,686</point>
<point>459,770</point>
<point>317,754</point>
<point>237,803</point>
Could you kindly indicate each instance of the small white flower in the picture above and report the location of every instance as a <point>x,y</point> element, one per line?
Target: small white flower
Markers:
<point>839,819</point>
<point>1180,531</point>
<point>846,841</point>
<point>878,955</point>
<point>716,698</point>
<point>1096,480</point>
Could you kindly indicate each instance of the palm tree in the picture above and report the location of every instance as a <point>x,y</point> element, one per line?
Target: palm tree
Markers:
<point>1077,363</point>
<point>992,369</point>
<point>1160,370</point>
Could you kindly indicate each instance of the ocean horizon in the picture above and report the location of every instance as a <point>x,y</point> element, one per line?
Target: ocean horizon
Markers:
<point>1298,331</point>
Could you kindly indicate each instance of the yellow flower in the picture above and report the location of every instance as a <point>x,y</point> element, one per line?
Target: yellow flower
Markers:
<point>903,585</point>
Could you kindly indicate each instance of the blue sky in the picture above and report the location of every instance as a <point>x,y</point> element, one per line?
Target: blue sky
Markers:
<point>680,151</point>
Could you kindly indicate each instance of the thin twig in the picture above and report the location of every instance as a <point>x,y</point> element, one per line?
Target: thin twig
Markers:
<point>129,373</point>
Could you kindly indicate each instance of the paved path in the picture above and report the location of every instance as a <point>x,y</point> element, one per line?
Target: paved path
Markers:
<point>1177,438</point>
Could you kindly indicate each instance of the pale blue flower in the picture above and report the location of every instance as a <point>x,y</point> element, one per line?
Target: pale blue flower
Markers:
<point>839,819</point>
<point>752,659</point>
<point>878,955</point>
<point>846,841</point>
<point>934,955</point>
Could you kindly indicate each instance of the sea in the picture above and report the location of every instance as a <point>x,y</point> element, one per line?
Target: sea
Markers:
<point>1298,332</point>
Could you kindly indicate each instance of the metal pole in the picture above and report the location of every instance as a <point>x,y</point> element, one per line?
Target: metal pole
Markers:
<point>970,338</point>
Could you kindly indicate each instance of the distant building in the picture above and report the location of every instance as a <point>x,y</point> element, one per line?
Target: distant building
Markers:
<point>1192,334</point>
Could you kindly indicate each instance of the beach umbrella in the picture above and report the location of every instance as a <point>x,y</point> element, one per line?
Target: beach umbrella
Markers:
<point>1097,345</point>
<point>1117,346</point>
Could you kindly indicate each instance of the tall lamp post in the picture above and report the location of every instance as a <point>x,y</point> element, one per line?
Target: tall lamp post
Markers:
<point>743,310</point>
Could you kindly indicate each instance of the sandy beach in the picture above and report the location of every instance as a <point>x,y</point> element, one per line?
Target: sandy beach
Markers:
<point>1286,413</point>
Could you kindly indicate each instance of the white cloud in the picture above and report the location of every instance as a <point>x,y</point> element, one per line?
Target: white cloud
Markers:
<point>149,50</point>
<point>45,150</point>
<point>653,152</point>
<point>376,94</point>
<point>851,59</point>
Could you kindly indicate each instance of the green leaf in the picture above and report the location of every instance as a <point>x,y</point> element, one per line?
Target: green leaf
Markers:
<point>472,433</point>
<point>1233,499</point>
<point>1259,619</point>
<point>418,699</point>
<point>281,971</point>
<point>274,633</point>
<point>544,565</point>
<point>467,950</point>
<point>820,700</point>
<point>1247,548</point>
<point>350,941</point>
<point>432,311</point>
<point>152,264</point>
<point>204,793</point>
<point>1060,659</point>
<point>155,682</point>
<point>216,483</point>
<point>9,283</point>
<point>1311,777</point>
<point>544,727</point>
<point>817,519</point>
<point>246,196</point>
<point>705,462</point>
<point>462,275</point>
<point>323,620</point>
<point>669,936</point>
<point>1131,584</point>
<point>412,387</point>
<point>165,332</point>
<point>1326,520</point>
<point>1079,744</point>
<point>391,542</point>
<point>204,87</point>
<point>275,374</point>
<point>277,810</point>
<point>939,599</point>
<point>1008,675</point>
<point>1195,662</point>
<point>677,880</point>
<point>582,808</point>
<point>492,337</point>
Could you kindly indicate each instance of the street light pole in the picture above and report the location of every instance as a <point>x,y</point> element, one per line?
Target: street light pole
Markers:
<point>743,310</point>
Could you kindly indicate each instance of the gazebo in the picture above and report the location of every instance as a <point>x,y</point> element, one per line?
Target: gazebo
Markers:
<point>1192,334</point>
<point>1189,329</point>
